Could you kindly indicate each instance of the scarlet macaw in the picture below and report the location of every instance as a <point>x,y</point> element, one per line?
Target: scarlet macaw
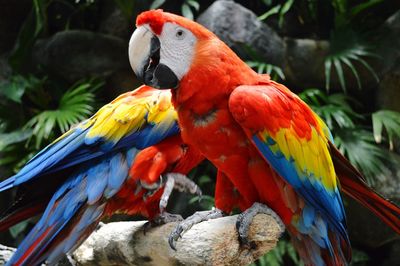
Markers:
<point>264,139</point>
<point>103,166</point>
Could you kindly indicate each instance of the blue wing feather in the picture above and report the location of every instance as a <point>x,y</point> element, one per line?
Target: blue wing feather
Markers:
<point>329,204</point>
<point>76,204</point>
<point>72,150</point>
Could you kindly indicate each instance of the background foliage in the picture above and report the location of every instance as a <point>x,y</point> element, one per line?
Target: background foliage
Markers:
<point>36,106</point>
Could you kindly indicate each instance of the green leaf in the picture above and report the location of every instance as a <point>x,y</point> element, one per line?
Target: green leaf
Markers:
<point>339,72</point>
<point>370,69</point>
<point>272,11</point>
<point>346,49</point>
<point>75,105</point>
<point>285,8</point>
<point>328,66</point>
<point>194,4</point>
<point>12,92</point>
<point>186,11</point>
<point>15,88</point>
<point>18,228</point>
<point>358,257</point>
<point>354,11</point>
<point>334,109</point>
<point>156,4</point>
<point>262,68</point>
<point>358,145</point>
<point>388,121</point>
<point>204,179</point>
<point>207,202</point>
<point>279,72</point>
<point>17,136</point>
<point>30,31</point>
<point>5,160</point>
<point>355,73</point>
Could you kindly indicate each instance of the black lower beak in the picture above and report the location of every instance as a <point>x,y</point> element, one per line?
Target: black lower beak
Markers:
<point>156,74</point>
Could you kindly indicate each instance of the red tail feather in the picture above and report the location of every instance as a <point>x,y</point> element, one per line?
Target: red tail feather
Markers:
<point>353,184</point>
<point>20,215</point>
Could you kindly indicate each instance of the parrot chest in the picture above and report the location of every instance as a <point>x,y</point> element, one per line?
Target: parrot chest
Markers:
<point>223,142</point>
<point>214,133</point>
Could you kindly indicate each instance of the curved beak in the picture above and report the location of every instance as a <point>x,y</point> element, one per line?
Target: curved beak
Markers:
<point>144,57</point>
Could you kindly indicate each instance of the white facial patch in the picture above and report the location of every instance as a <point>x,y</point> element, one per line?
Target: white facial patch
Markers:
<point>177,48</point>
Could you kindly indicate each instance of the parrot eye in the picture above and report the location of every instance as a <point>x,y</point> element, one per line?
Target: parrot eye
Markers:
<point>180,34</point>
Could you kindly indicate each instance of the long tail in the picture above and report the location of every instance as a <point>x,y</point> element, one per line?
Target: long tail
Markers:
<point>10,218</point>
<point>66,222</point>
<point>318,241</point>
<point>31,199</point>
<point>353,184</point>
<point>312,254</point>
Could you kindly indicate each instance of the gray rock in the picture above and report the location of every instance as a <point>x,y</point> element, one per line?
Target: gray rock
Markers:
<point>389,88</point>
<point>302,60</point>
<point>236,26</point>
<point>115,23</point>
<point>5,254</point>
<point>390,42</point>
<point>305,62</point>
<point>389,92</point>
<point>77,54</point>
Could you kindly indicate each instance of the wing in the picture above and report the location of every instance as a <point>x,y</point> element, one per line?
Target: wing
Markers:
<point>138,119</point>
<point>75,209</point>
<point>100,188</point>
<point>294,141</point>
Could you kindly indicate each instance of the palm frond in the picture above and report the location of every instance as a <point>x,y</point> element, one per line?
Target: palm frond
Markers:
<point>346,50</point>
<point>334,109</point>
<point>280,9</point>
<point>388,121</point>
<point>359,146</point>
<point>187,7</point>
<point>75,105</point>
<point>263,68</point>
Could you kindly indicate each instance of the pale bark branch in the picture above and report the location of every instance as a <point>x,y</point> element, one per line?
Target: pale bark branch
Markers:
<point>214,242</point>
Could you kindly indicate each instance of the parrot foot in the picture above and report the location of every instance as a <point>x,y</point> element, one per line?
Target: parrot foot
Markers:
<point>185,225</point>
<point>179,182</point>
<point>245,218</point>
<point>161,219</point>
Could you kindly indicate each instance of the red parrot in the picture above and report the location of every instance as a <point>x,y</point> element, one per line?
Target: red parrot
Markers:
<point>263,138</point>
<point>105,165</point>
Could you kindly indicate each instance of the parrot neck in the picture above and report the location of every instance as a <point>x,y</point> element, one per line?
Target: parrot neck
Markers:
<point>215,72</point>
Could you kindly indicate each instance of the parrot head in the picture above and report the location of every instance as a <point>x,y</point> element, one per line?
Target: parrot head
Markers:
<point>163,46</point>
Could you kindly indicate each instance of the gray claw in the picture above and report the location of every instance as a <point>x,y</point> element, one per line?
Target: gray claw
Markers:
<point>163,218</point>
<point>185,225</point>
<point>179,182</point>
<point>245,219</point>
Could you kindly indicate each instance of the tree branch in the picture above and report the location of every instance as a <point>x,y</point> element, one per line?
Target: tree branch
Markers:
<point>213,242</point>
